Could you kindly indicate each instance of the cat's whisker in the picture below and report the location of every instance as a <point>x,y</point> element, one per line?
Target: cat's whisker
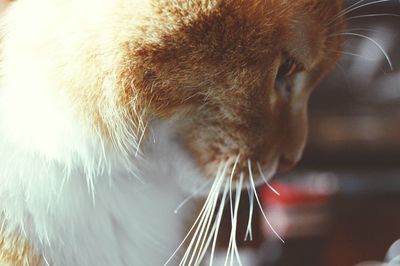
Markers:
<point>191,196</point>
<point>348,10</point>
<point>214,191</point>
<point>195,236</point>
<point>366,29</point>
<point>231,211</point>
<point>373,15</point>
<point>218,221</point>
<point>207,216</point>
<point>234,225</point>
<point>364,5</point>
<point>231,199</point>
<point>341,13</point>
<point>266,179</point>
<point>373,41</point>
<point>259,203</point>
<point>342,69</point>
<point>249,230</point>
<point>232,247</point>
<point>230,184</point>
<point>362,57</point>
<point>231,207</point>
<point>200,235</point>
<point>358,56</point>
<point>199,217</point>
<point>204,233</point>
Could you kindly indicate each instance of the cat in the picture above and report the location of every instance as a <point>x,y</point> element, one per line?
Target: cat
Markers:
<point>112,112</point>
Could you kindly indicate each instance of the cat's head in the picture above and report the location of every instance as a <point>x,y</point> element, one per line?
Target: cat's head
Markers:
<point>241,73</point>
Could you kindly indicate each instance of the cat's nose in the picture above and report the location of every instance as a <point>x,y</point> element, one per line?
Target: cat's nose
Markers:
<point>285,165</point>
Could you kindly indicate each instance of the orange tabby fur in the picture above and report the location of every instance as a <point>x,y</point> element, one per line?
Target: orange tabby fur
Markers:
<point>168,66</point>
<point>240,39</point>
<point>195,38</point>
<point>15,251</point>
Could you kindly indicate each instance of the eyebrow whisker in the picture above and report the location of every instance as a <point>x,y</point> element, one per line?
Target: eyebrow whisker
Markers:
<point>356,7</point>
<point>379,46</point>
<point>373,15</point>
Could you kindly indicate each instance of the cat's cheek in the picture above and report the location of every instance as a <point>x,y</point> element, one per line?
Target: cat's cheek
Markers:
<point>163,147</point>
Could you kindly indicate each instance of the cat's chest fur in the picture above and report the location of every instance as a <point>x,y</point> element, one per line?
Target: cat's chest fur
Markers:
<point>114,219</point>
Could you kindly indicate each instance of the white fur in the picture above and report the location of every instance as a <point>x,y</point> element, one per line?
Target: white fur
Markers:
<point>71,194</point>
<point>126,222</point>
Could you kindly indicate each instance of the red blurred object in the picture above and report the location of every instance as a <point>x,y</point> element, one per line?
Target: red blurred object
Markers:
<point>298,212</point>
<point>292,194</point>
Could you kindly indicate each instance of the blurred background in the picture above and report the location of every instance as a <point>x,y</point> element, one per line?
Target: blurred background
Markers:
<point>342,204</point>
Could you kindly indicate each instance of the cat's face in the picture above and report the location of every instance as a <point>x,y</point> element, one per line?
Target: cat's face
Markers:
<point>241,71</point>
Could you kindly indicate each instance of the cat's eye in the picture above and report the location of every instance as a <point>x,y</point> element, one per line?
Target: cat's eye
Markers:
<point>288,68</point>
<point>284,78</point>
